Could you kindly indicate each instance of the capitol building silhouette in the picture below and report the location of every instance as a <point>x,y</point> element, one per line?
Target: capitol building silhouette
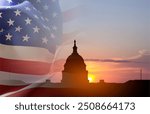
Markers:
<point>75,72</point>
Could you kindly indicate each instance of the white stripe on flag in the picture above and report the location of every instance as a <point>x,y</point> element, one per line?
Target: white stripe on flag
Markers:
<point>25,53</point>
<point>22,77</point>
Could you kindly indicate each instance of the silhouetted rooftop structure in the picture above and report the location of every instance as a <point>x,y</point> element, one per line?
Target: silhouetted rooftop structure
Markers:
<point>75,73</point>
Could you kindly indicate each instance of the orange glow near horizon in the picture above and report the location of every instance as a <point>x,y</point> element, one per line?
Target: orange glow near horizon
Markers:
<point>91,77</point>
<point>110,72</point>
<point>92,68</point>
<point>100,71</point>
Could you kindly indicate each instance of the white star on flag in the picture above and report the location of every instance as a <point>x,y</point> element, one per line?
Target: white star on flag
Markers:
<point>8,36</point>
<point>45,40</point>
<point>36,29</point>
<point>10,22</point>
<point>28,21</point>
<point>17,12</point>
<point>18,29</point>
<point>26,38</point>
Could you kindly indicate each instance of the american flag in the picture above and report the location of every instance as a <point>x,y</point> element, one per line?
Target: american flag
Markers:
<point>30,32</point>
<point>31,27</point>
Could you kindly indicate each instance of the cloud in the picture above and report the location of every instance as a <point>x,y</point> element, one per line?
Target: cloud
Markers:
<point>143,57</point>
<point>109,60</point>
<point>144,52</point>
<point>141,53</point>
<point>140,61</point>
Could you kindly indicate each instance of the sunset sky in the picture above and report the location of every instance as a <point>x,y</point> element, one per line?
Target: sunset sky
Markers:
<point>114,35</point>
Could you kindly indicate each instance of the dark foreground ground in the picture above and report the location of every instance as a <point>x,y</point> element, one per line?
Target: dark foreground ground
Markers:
<point>138,88</point>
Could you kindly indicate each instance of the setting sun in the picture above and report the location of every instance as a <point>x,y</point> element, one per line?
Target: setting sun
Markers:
<point>91,77</point>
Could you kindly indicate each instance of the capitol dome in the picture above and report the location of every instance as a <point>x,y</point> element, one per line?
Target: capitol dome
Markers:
<point>74,62</point>
<point>74,69</point>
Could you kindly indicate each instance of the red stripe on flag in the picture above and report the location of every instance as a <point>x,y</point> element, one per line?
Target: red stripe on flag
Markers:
<point>24,67</point>
<point>5,89</point>
<point>41,92</point>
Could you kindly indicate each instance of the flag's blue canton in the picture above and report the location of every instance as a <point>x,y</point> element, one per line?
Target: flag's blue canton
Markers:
<point>36,23</point>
